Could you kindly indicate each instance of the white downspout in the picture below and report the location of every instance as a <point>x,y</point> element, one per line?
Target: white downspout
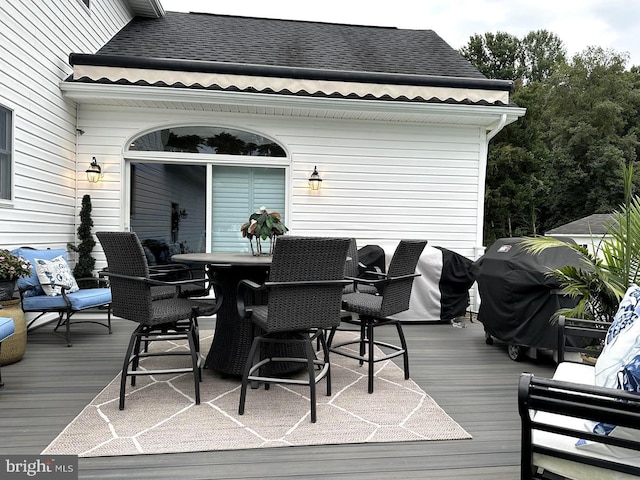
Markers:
<point>482,178</point>
<point>495,131</point>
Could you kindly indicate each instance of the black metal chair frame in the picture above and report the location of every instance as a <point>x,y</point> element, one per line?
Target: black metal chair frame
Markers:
<point>367,324</point>
<point>570,328</point>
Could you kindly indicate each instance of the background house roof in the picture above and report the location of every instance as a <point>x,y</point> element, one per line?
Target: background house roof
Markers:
<point>593,224</point>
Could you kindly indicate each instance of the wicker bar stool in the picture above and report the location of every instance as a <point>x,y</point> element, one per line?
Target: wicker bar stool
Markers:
<point>168,319</point>
<point>374,310</point>
<point>304,291</point>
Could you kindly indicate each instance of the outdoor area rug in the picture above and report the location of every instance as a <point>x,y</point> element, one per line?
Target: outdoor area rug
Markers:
<point>160,415</point>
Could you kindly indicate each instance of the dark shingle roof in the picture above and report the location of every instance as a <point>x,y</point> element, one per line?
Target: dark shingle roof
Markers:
<point>592,224</point>
<point>288,43</point>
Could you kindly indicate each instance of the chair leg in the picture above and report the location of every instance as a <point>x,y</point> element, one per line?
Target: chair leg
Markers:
<point>195,354</point>
<point>125,367</point>
<point>312,378</point>
<point>370,356</point>
<point>140,336</point>
<point>245,375</point>
<point>325,353</point>
<point>68,328</point>
<point>1,384</point>
<point>403,344</point>
<point>363,337</point>
<point>331,335</point>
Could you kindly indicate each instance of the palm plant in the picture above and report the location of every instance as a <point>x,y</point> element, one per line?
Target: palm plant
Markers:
<point>604,275</point>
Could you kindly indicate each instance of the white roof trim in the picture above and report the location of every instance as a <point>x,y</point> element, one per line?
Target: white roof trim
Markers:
<point>488,116</point>
<point>277,84</point>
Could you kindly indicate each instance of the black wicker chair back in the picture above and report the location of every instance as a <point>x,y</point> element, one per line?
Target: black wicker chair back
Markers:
<point>305,259</point>
<point>396,294</point>
<point>373,310</point>
<point>128,267</point>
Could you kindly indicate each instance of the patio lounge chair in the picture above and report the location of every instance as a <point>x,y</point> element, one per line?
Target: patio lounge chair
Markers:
<point>374,310</point>
<point>59,294</point>
<point>170,319</point>
<point>585,421</point>
<point>304,290</point>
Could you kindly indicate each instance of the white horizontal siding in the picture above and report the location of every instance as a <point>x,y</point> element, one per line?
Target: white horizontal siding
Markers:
<point>381,182</point>
<point>36,39</point>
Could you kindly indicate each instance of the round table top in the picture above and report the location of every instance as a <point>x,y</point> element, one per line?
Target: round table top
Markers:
<point>223,258</point>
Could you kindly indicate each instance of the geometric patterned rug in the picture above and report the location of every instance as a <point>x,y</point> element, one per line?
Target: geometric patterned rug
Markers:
<point>160,415</point>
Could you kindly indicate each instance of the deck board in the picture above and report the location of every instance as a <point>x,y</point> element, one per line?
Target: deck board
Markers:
<point>474,383</point>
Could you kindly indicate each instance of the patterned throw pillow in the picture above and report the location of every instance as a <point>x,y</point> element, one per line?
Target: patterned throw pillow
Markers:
<point>618,365</point>
<point>622,343</point>
<point>55,271</point>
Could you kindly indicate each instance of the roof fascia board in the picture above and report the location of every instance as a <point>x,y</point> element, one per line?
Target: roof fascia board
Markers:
<point>286,72</point>
<point>147,8</point>
<point>479,114</point>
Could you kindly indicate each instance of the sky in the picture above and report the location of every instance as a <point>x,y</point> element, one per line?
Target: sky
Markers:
<point>610,24</point>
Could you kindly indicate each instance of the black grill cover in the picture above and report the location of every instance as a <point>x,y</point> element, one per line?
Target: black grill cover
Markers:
<point>371,258</point>
<point>455,281</point>
<point>517,299</point>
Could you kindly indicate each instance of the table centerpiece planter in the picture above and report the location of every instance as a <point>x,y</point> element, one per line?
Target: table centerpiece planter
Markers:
<point>261,226</point>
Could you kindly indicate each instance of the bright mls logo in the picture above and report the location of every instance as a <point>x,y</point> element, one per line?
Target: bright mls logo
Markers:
<point>58,467</point>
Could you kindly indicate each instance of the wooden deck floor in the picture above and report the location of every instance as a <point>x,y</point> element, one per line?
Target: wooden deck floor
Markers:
<point>475,383</point>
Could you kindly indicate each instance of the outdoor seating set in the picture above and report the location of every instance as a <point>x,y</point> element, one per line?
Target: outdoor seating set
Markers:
<point>305,293</point>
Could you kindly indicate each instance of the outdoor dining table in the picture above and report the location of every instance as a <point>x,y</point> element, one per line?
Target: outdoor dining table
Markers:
<point>233,334</point>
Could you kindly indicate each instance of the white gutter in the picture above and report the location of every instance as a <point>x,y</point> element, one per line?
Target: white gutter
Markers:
<point>495,131</point>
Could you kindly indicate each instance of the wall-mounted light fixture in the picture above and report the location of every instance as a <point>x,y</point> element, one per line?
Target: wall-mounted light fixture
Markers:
<point>314,179</point>
<point>94,172</point>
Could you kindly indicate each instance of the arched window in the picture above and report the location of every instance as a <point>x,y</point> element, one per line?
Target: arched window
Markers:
<point>203,139</point>
<point>176,207</point>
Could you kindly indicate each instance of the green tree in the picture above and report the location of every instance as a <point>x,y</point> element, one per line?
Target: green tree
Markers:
<point>542,53</point>
<point>497,56</point>
<point>562,161</point>
<point>591,129</point>
<point>503,56</point>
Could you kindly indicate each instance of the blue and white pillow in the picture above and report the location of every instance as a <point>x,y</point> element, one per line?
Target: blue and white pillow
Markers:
<point>55,271</point>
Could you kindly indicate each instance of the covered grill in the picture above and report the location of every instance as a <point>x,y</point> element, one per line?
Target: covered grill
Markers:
<point>517,297</point>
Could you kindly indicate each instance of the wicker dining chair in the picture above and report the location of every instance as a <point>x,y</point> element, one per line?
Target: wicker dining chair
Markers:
<point>352,269</point>
<point>169,319</point>
<point>304,292</point>
<point>374,310</point>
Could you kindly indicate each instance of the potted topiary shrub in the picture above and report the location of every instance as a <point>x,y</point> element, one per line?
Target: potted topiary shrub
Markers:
<point>85,263</point>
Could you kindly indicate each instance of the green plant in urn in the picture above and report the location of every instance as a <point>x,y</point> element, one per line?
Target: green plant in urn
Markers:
<point>261,226</point>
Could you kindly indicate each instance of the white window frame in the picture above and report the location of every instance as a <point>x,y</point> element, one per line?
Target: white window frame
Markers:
<point>11,152</point>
